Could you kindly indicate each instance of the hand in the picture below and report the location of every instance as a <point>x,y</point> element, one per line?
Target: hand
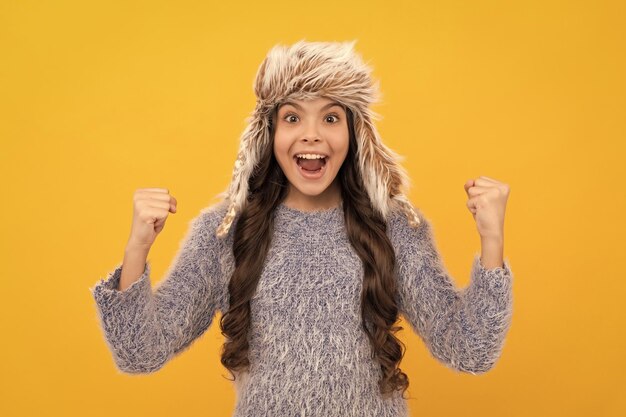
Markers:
<point>487,203</point>
<point>151,207</point>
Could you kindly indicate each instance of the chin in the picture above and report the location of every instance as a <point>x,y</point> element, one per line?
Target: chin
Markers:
<point>310,188</point>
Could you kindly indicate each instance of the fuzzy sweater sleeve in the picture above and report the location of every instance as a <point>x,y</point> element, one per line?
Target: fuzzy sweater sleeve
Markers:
<point>463,328</point>
<point>143,328</point>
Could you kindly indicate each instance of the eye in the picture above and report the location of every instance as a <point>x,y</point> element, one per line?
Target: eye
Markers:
<point>333,115</point>
<point>288,115</point>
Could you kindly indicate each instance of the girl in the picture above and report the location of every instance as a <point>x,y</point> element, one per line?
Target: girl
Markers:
<point>311,257</point>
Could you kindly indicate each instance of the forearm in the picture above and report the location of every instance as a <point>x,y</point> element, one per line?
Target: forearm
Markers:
<point>492,252</point>
<point>133,266</point>
<point>129,322</point>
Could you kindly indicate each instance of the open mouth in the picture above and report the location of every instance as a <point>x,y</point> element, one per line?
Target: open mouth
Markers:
<point>311,168</point>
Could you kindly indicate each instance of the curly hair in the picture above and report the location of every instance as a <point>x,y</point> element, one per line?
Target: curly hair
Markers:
<point>366,231</point>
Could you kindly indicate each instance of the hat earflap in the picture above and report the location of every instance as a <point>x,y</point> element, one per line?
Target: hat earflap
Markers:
<point>254,140</point>
<point>384,178</point>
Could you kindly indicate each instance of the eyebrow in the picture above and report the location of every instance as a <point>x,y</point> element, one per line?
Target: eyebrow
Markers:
<point>299,107</point>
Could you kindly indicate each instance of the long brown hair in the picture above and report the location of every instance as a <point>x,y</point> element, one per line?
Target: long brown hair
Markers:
<point>366,231</point>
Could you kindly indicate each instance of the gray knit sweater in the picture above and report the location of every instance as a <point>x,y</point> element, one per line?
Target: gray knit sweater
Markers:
<point>308,353</point>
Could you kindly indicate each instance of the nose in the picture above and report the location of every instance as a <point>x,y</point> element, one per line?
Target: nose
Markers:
<point>311,133</point>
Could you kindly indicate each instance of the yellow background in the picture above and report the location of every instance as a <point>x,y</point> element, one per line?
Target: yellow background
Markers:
<point>100,98</point>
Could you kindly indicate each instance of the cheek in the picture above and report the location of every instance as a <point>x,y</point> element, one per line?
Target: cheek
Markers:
<point>279,142</point>
<point>340,145</point>
<point>281,149</point>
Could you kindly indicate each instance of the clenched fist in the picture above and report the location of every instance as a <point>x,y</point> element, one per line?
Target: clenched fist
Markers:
<point>151,206</point>
<point>487,199</point>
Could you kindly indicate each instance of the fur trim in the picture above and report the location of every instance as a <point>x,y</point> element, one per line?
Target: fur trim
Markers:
<point>308,70</point>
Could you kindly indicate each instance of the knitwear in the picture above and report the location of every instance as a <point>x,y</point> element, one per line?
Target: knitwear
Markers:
<point>309,355</point>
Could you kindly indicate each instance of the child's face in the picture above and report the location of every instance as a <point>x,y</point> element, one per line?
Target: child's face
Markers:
<point>316,126</point>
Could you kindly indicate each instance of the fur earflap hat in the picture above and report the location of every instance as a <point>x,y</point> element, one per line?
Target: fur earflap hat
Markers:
<point>308,70</point>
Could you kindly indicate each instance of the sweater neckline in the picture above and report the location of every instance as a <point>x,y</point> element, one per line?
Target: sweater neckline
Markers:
<point>291,218</point>
<point>310,213</point>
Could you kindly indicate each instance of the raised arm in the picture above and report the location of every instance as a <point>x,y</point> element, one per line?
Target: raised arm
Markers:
<point>143,328</point>
<point>463,328</point>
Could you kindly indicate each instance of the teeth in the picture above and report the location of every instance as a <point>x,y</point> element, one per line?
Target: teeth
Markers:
<point>310,156</point>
